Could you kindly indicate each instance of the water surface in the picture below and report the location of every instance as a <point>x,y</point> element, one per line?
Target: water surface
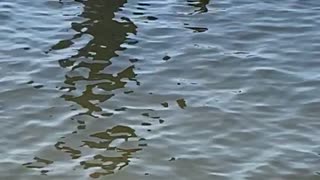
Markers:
<point>140,89</point>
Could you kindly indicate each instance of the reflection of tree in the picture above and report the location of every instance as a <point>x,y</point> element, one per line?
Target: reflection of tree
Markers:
<point>201,4</point>
<point>102,81</point>
<point>107,36</point>
<point>111,149</point>
<point>120,156</point>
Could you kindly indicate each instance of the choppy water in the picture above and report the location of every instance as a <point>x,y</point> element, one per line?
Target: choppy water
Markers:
<point>175,89</point>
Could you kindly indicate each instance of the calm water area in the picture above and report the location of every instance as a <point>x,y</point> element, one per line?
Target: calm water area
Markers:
<point>171,89</point>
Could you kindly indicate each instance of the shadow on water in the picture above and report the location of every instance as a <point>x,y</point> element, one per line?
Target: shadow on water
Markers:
<point>107,35</point>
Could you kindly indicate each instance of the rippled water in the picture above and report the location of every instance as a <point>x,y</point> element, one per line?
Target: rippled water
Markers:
<point>176,89</point>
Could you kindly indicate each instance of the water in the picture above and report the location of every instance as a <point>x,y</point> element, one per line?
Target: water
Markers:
<point>176,89</point>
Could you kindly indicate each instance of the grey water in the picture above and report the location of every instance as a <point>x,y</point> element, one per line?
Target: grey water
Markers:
<point>174,89</point>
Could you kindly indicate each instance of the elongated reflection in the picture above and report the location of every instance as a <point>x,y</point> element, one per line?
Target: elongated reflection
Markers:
<point>107,37</point>
<point>111,149</point>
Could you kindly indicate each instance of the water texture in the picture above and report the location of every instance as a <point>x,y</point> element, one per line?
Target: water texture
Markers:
<point>175,89</point>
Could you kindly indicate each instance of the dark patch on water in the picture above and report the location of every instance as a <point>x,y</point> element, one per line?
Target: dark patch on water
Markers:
<point>182,103</point>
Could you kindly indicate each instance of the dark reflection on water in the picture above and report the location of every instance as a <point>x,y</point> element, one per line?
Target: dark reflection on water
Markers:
<point>107,35</point>
<point>107,83</point>
<point>39,163</point>
<point>201,5</point>
<point>113,149</point>
<point>120,159</point>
